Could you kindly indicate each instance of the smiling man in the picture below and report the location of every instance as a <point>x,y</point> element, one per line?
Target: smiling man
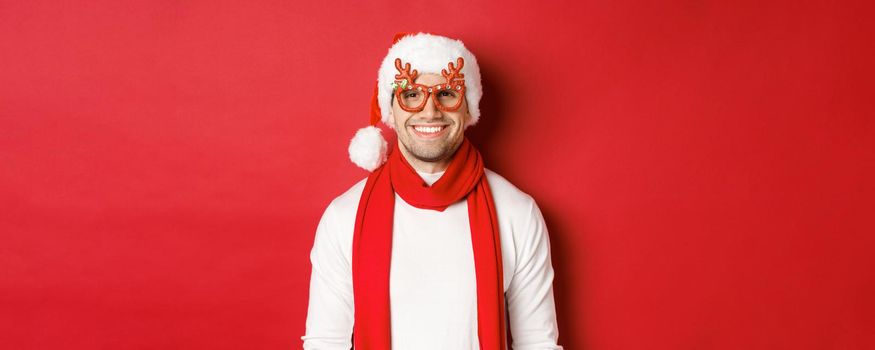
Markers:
<point>431,136</point>
<point>432,250</point>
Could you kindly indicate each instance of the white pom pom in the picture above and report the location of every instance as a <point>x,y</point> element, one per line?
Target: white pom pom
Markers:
<point>368,148</point>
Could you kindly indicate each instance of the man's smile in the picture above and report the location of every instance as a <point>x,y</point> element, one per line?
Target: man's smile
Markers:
<point>429,131</point>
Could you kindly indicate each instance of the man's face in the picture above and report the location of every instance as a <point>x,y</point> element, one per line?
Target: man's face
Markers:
<point>430,135</point>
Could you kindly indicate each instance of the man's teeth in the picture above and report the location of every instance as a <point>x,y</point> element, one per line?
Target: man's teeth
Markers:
<point>428,129</point>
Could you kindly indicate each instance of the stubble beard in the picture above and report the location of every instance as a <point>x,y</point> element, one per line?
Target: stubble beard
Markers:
<point>429,151</point>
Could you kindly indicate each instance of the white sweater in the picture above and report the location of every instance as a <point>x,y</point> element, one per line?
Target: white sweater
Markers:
<point>433,291</point>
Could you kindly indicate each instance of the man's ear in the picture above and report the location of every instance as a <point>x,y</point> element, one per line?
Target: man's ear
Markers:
<point>391,113</point>
<point>391,119</point>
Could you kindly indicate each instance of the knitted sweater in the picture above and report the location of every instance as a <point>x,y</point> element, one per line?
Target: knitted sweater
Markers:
<point>433,296</point>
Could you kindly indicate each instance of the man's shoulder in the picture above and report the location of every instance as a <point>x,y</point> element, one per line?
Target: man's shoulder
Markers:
<point>505,192</point>
<point>348,201</point>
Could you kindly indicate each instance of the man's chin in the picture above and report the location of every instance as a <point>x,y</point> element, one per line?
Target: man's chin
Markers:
<point>429,154</point>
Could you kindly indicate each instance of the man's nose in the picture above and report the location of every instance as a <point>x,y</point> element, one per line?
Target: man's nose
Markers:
<point>429,111</point>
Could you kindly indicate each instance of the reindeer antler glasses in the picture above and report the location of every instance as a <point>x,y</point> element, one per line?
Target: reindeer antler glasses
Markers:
<point>412,97</point>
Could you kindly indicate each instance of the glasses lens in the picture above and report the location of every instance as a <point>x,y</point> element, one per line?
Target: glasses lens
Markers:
<point>411,98</point>
<point>449,98</point>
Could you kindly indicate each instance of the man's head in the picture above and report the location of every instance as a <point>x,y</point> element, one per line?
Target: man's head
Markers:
<point>431,57</point>
<point>429,54</point>
<point>429,114</point>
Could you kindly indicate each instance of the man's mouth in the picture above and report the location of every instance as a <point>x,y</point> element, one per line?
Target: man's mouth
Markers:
<point>429,131</point>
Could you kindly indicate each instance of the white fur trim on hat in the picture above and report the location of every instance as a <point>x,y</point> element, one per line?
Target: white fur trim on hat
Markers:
<point>368,148</point>
<point>429,53</point>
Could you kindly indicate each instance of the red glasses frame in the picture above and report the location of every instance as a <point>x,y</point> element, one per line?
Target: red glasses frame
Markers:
<point>455,82</point>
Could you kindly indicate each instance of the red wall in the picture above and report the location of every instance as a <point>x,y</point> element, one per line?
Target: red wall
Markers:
<point>705,167</point>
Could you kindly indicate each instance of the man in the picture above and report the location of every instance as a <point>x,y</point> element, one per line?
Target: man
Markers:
<point>432,250</point>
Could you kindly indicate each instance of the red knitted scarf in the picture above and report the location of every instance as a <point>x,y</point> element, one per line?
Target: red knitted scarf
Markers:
<point>372,243</point>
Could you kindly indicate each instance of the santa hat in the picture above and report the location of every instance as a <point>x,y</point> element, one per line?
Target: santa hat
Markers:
<point>426,53</point>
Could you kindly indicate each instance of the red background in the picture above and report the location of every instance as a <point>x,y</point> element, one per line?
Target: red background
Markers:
<point>705,168</point>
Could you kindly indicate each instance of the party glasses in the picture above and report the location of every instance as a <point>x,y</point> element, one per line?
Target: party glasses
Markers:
<point>412,97</point>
